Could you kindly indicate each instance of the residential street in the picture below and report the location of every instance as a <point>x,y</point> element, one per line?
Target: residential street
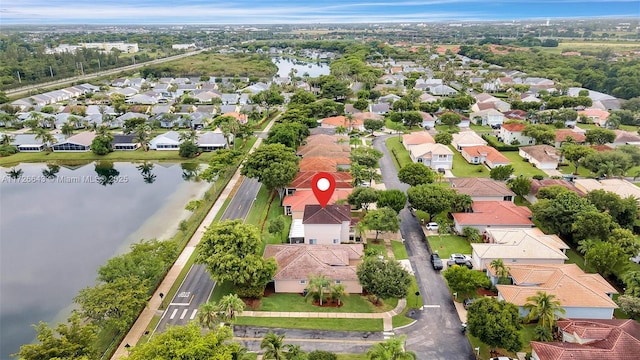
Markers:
<point>436,334</point>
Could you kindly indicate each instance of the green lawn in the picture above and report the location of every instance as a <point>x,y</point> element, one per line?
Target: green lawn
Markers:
<point>399,154</point>
<point>520,166</point>
<point>527,336</point>
<point>570,169</point>
<point>380,247</point>
<point>481,129</point>
<point>352,303</point>
<point>313,323</point>
<point>413,302</point>
<point>399,250</point>
<point>352,356</point>
<point>461,168</point>
<point>450,244</point>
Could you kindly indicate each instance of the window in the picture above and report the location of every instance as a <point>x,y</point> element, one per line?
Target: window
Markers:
<point>508,198</point>
<point>313,241</point>
<point>336,241</point>
<point>302,282</point>
<point>338,281</point>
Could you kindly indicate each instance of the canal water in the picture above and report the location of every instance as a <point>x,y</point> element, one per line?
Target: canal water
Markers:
<point>312,69</point>
<point>58,225</point>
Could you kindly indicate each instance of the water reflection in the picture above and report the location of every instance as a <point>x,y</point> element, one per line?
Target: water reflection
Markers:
<point>15,173</point>
<point>51,172</point>
<point>107,174</point>
<point>145,170</point>
<point>190,171</point>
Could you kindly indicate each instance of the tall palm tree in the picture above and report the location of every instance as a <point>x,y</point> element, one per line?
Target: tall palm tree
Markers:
<point>341,130</point>
<point>143,136</point>
<point>273,346</point>
<point>67,129</point>
<point>45,136</point>
<point>543,307</point>
<point>6,139</point>
<point>317,286</point>
<point>584,246</point>
<point>229,306</point>
<point>294,352</point>
<point>390,349</point>
<point>337,292</point>
<point>189,135</point>
<point>208,315</point>
<point>102,131</point>
<point>502,271</point>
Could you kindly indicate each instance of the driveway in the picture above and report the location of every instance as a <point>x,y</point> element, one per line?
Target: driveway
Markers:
<point>436,334</point>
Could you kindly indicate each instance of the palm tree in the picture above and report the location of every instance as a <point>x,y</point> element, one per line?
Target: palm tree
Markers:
<point>208,315</point>
<point>502,271</point>
<point>189,135</point>
<point>143,136</point>
<point>337,292</point>
<point>273,347</point>
<point>15,173</point>
<point>45,137</point>
<point>294,352</point>
<point>67,129</point>
<point>229,306</point>
<point>584,246</point>
<point>51,171</point>
<point>145,170</point>
<point>317,286</point>
<point>6,139</point>
<point>391,349</point>
<point>102,131</point>
<point>341,130</point>
<point>543,307</point>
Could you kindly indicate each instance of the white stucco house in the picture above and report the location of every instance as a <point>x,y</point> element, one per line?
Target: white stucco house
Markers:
<point>167,141</point>
<point>435,156</point>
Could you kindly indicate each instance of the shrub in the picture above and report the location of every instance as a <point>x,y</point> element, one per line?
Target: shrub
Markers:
<point>321,355</point>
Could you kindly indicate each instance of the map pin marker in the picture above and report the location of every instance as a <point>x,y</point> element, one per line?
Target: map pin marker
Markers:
<point>323,185</point>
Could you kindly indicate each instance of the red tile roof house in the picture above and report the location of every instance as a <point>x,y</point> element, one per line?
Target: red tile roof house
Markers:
<point>294,204</point>
<point>581,295</point>
<point>511,134</point>
<point>592,339</point>
<point>536,185</point>
<point>484,155</point>
<point>318,164</point>
<point>417,138</point>
<point>326,139</point>
<point>541,156</point>
<point>330,225</point>
<point>493,214</point>
<point>563,135</point>
<point>349,124</point>
<point>297,263</point>
<point>302,181</point>
<point>599,117</point>
<point>482,189</point>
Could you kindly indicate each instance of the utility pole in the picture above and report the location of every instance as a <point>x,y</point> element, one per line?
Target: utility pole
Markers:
<point>50,70</point>
<point>19,80</point>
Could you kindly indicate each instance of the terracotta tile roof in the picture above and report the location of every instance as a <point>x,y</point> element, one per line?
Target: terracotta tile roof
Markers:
<point>242,118</point>
<point>337,262</point>
<point>326,139</point>
<point>536,185</point>
<point>325,150</point>
<point>601,147</point>
<point>342,121</point>
<point>563,134</point>
<point>318,164</point>
<point>521,244</point>
<point>515,114</point>
<point>303,180</point>
<point>571,286</point>
<point>611,340</point>
<point>490,213</point>
<point>330,214</point>
<point>480,187</point>
<point>488,152</point>
<point>301,198</point>
<point>417,138</point>
<point>513,127</point>
<point>601,114</point>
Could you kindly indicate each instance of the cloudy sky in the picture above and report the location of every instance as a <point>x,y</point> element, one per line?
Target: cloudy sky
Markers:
<point>301,11</point>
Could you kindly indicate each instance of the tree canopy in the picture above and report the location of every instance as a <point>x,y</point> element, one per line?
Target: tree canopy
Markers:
<point>383,278</point>
<point>381,220</point>
<point>416,174</point>
<point>274,165</point>
<point>496,323</point>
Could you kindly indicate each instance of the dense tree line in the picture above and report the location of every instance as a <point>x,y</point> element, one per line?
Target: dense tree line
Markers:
<point>620,78</point>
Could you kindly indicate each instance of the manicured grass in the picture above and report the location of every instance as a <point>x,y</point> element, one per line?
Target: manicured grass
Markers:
<point>570,169</point>
<point>475,342</point>
<point>461,168</point>
<point>399,154</point>
<point>450,244</point>
<point>313,323</point>
<point>399,250</point>
<point>380,247</point>
<point>258,211</point>
<point>520,166</point>
<point>575,258</point>
<point>481,129</point>
<point>152,325</point>
<point>413,302</point>
<point>221,289</point>
<point>352,303</point>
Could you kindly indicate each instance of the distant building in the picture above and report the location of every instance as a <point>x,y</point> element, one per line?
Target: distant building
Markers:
<point>183,46</point>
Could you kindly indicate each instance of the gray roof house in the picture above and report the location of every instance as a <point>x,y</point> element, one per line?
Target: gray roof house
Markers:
<point>209,141</point>
<point>75,143</point>
<point>167,141</point>
<point>124,142</point>
<point>443,90</point>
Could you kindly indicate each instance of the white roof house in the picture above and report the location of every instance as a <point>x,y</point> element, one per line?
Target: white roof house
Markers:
<point>167,141</point>
<point>467,138</point>
<point>621,187</point>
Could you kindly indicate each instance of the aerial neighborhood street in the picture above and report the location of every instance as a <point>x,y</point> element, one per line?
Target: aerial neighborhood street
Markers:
<point>389,191</point>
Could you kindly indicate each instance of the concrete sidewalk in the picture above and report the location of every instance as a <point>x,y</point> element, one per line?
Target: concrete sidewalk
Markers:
<point>385,316</point>
<point>153,307</point>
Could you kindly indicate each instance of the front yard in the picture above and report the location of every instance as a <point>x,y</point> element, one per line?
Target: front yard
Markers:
<point>399,154</point>
<point>445,245</point>
<point>520,166</point>
<point>461,168</point>
<point>352,303</point>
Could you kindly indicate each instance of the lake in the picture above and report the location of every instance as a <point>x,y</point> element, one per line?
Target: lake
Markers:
<point>313,69</point>
<point>56,232</point>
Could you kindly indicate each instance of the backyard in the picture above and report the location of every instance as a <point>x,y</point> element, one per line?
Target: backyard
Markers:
<point>461,168</point>
<point>520,166</point>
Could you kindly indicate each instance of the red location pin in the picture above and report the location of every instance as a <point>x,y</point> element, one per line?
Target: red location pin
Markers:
<point>323,185</point>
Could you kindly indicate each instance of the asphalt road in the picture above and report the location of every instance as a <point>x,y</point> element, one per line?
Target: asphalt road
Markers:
<point>436,334</point>
<point>198,285</point>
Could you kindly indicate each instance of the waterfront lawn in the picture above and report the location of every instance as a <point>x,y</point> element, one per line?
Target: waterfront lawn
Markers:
<point>399,154</point>
<point>520,166</point>
<point>334,324</point>
<point>446,245</point>
<point>399,250</point>
<point>461,168</point>
<point>353,303</point>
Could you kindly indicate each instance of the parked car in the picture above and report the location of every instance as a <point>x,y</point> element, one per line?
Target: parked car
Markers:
<point>442,171</point>
<point>467,302</point>
<point>459,259</point>
<point>436,262</point>
<point>432,226</point>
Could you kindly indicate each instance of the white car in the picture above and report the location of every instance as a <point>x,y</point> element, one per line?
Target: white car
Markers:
<point>432,226</point>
